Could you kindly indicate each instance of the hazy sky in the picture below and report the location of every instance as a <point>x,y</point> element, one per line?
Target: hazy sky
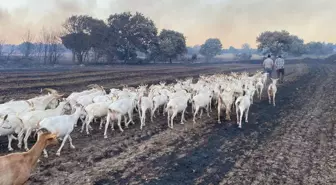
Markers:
<point>233,21</point>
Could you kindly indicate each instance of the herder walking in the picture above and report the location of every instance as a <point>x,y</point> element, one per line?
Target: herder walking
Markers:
<point>268,65</point>
<point>280,68</point>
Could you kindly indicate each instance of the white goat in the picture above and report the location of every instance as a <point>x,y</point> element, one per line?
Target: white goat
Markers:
<point>16,107</point>
<point>62,126</point>
<point>86,100</point>
<point>145,103</point>
<point>31,119</point>
<point>243,104</point>
<point>176,105</point>
<point>159,100</point>
<point>264,78</point>
<point>260,87</point>
<point>225,99</point>
<point>46,101</point>
<point>10,124</point>
<point>118,109</point>
<point>75,95</point>
<point>95,110</point>
<point>272,90</point>
<point>201,100</point>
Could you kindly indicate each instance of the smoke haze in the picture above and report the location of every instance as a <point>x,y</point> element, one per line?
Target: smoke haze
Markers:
<point>234,22</point>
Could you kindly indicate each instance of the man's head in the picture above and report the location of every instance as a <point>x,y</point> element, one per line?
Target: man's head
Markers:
<point>268,56</point>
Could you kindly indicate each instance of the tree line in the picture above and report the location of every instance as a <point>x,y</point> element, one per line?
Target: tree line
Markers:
<point>134,38</point>
<point>123,37</point>
<point>284,43</point>
<point>47,48</point>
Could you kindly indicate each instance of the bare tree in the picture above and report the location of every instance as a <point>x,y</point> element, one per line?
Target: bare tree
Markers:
<point>45,39</point>
<point>52,49</point>
<point>56,48</point>
<point>27,46</point>
<point>10,52</point>
<point>2,44</point>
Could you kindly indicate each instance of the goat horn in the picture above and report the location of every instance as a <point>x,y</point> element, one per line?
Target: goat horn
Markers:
<point>97,86</point>
<point>29,103</point>
<point>59,95</point>
<point>52,91</point>
<point>92,85</point>
<point>100,87</point>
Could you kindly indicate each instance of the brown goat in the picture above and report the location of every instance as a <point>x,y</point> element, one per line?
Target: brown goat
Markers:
<point>15,169</point>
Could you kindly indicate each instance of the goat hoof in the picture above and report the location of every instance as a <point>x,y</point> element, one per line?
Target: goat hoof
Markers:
<point>10,149</point>
<point>105,137</point>
<point>72,147</point>
<point>58,153</point>
<point>219,122</point>
<point>46,156</point>
<point>27,149</point>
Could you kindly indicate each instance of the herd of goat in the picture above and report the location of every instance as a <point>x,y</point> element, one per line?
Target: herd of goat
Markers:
<point>60,115</point>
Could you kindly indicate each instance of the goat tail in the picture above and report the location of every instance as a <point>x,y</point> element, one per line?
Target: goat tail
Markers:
<point>238,101</point>
<point>111,111</point>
